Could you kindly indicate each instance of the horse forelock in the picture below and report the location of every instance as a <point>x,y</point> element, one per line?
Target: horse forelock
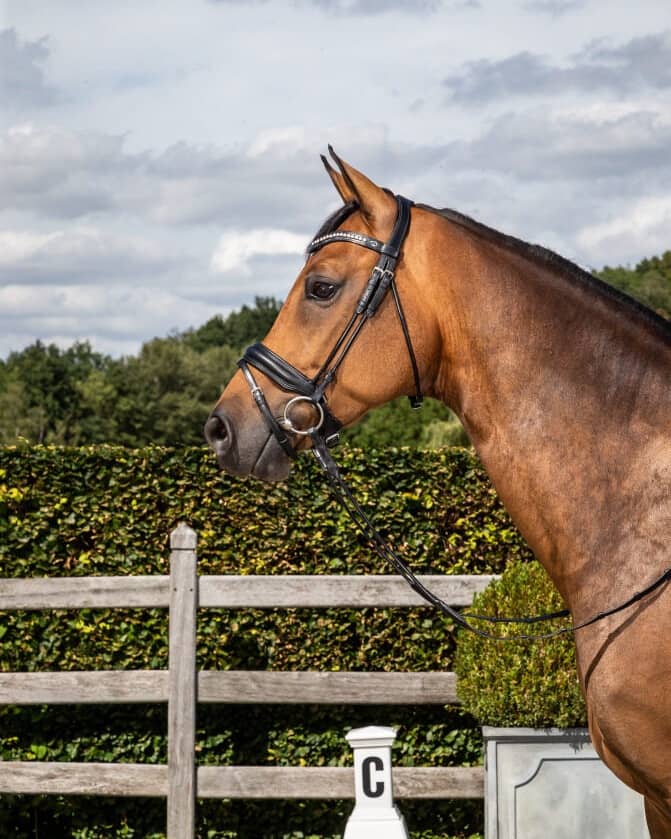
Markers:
<point>333,222</point>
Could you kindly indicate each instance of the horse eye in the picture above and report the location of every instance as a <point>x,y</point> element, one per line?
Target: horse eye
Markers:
<point>321,289</point>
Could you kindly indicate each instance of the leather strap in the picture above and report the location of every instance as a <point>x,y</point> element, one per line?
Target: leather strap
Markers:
<point>381,280</point>
<point>261,403</point>
<point>290,379</point>
<point>285,375</point>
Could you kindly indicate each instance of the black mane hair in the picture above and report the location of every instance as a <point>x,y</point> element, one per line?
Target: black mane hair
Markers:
<point>549,259</point>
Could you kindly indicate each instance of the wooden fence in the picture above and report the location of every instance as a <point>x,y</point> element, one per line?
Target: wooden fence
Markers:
<point>181,781</point>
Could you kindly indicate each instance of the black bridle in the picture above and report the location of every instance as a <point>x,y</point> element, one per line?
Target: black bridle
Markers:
<point>312,391</point>
<point>324,433</point>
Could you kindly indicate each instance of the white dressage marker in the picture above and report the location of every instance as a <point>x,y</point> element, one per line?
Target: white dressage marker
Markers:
<point>375,816</point>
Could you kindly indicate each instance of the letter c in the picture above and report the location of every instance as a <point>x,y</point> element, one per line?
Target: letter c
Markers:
<point>369,764</point>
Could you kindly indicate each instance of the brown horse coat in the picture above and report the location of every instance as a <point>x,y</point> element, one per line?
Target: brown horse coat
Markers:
<point>564,387</point>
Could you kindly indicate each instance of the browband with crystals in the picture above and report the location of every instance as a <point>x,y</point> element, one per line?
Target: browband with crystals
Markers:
<point>346,236</point>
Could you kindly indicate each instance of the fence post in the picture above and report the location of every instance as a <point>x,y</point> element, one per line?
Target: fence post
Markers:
<point>182,682</point>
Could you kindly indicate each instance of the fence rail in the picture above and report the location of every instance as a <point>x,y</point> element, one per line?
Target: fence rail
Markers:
<point>309,591</point>
<point>251,687</point>
<point>259,782</point>
<point>183,592</point>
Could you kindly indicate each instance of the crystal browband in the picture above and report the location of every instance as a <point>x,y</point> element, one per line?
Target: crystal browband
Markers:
<point>346,236</point>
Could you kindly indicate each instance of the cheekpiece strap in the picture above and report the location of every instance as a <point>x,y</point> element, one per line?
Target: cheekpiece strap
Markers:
<point>290,379</point>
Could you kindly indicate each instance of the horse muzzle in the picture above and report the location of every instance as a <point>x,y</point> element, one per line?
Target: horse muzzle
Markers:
<point>244,448</point>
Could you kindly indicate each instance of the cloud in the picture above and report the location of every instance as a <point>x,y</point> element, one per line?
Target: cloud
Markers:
<point>177,170</point>
<point>555,8</point>
<point>374,7</point>
<point>549,175</point>
<point>275,181</point>
<point>115,320</point>
<point>75,255</point>
<point>236,249</point>
<point>83,196</point>
<point>645,61</point>
<point>59,173</point>
<point>543,146</point>
<point>642,225</point>
<point>641,63</point>
<point>22,81</point>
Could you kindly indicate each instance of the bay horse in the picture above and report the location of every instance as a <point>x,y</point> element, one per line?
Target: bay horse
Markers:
<point>563,385</point>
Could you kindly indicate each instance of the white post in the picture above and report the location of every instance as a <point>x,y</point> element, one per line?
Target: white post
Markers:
<point>375,816</point>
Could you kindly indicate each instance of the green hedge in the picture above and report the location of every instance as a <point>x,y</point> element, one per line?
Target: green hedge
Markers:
<point>109,510</point>
<point>520,683</point>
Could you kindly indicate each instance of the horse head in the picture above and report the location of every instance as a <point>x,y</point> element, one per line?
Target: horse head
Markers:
<point>354,333</point>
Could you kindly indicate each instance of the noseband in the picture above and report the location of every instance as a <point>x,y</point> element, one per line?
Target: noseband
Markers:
<point>312,391</point>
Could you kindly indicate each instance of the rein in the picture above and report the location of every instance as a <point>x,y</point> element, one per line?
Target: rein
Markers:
<point>324,433</point>
<point>463,619</point>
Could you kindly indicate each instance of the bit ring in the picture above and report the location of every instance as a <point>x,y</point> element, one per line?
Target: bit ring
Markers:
<point>288,425</point>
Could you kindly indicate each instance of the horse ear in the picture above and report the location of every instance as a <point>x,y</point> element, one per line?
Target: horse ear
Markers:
<point>375,204</point>
<point>342,186</point>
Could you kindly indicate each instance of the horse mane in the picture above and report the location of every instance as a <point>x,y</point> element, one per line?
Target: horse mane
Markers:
<point>559,264</point>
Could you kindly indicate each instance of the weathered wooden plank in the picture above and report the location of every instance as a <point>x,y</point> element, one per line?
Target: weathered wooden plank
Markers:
<point>305,782</point>
<point>85,592</point>
<point>275,782</point>
<point>182,683</point>
<point>438,781</point>
<point>129,779</point>
<point>321,591</point>
<point>230,686</point>
<point>327,688</point>
<point>257,591</point>
<point>124,779</point>
<point>74,687</point>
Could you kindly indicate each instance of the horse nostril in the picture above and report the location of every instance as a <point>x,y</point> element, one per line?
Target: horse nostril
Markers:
<point>218,432</point>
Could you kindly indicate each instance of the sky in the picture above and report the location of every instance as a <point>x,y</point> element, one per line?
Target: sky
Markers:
<point>159,159</point>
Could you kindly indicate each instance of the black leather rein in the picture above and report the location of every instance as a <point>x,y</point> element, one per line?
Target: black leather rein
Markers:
<point>324,432</point>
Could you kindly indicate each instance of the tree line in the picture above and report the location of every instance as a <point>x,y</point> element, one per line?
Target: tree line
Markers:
<point>77,396</point>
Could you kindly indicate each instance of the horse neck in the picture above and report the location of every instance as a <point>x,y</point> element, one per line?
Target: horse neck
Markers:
<point>564,391</point>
